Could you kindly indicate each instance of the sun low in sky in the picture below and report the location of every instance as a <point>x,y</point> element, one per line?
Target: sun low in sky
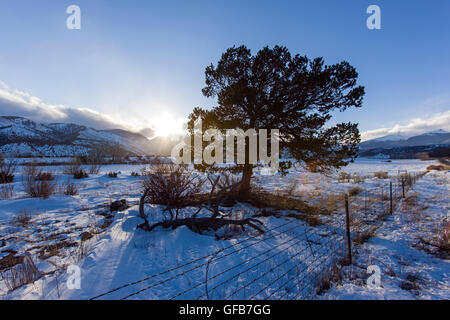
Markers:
<point>166,124</point>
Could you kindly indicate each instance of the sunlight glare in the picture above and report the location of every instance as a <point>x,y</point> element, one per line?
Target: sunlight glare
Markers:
<point>166,124</point>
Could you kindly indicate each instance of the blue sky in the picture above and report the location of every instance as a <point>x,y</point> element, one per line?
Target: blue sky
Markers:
<point>133,60</point>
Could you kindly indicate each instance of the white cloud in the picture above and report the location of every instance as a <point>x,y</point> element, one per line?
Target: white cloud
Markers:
<point>19,103</point>
<point>415,126</point>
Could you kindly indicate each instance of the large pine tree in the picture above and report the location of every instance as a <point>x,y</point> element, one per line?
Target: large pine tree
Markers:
<point>275,90</point>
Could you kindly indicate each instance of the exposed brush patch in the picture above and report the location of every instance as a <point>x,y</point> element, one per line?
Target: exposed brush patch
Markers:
<point>354,191</point>
<point>39,189</point>
<point>70,188</point>
<point>51,250</point>
<point>10,261</point>
<point>438,167</point>
<point>23,218</point>
<point>381,175</point>
<point>363,235</point>
<point>80,174</point>
<point>327,280</point>
<point>282,202</point>
<point>413,209</point>
<point>21,274</point>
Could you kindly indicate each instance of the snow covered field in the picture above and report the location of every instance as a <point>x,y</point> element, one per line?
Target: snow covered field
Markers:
<point>285,263</point>
<point>410,267</point>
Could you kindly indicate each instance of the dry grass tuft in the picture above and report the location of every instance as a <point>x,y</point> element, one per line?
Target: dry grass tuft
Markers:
<point>23,218</point>
<point>361,236</point>
<point>438,167</point>
<point>333,276</point>
<point>381,175</point>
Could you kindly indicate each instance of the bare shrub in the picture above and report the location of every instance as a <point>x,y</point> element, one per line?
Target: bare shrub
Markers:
<point>135,174</point>
<point>94,168</point>
<point>23,218</point>
<point>112,174</point>
<point>80,174</point>
<point>7,170</point>
<point>38,188</point>
<point>70,188</point>
<point>45,176</point>
<point>224,188</point>
<point>381,175</point>
<point>354,191</point>
<point>171,185</point>
<point>6,191</point>
<point>21,274</point>
<point>176,186</point>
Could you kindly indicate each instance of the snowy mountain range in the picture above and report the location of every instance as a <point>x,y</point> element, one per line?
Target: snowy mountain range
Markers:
<point>433,144</point>
<point>437,137</point>
<point>23,137</point>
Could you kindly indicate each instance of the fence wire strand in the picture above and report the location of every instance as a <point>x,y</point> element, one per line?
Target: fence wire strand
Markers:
<point>315,266</point>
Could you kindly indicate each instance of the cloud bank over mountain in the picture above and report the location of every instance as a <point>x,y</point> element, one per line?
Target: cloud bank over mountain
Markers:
<point>19,103</point>
<point>415,126</point>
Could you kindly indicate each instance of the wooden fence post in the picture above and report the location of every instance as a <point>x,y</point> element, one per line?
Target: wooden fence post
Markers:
<point>403,186</point>
<point>347,222</point>
<point>390,196</point>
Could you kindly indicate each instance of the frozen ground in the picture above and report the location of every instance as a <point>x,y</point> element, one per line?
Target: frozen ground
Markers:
<point>118,254</point>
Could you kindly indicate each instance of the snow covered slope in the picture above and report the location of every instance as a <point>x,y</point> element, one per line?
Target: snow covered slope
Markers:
<point>400,140</point>
<point>23,137</point>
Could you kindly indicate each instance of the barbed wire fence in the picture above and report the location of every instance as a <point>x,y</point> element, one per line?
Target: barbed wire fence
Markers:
<point>289,261</point>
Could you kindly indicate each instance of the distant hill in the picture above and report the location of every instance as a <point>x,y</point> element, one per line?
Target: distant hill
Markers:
<point>398,140</point>
<point>23,137</point>
<point>397,146</point>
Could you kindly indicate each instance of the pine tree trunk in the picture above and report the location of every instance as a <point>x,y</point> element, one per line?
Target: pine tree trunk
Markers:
<point>244,189</point>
